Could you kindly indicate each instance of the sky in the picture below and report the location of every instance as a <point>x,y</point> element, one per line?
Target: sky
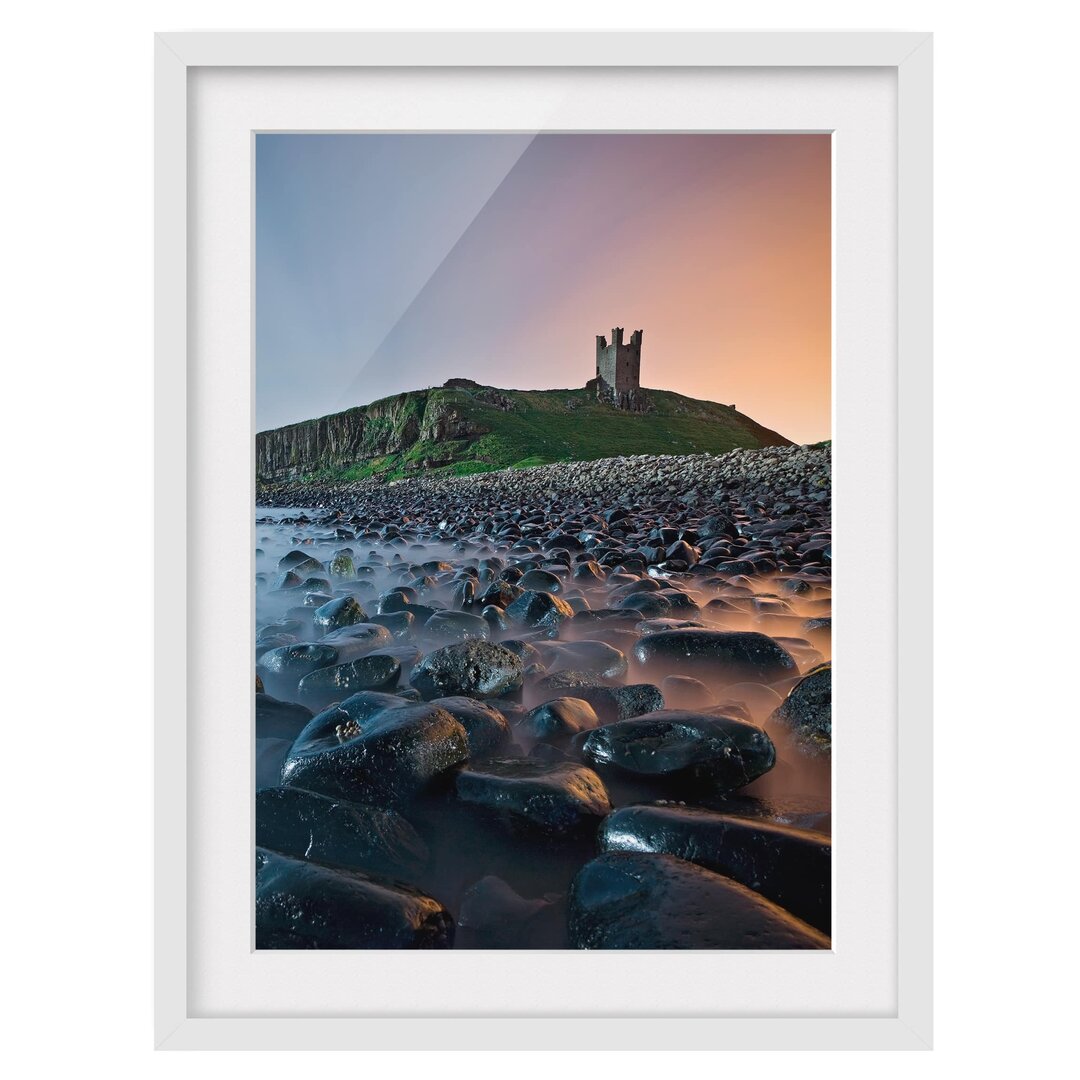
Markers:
<point>392,262</point>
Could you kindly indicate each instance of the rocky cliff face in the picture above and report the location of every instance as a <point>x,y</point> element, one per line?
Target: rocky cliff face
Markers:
<point>390,426</point>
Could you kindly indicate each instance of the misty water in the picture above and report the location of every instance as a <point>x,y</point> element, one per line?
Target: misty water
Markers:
<point>503,880</point>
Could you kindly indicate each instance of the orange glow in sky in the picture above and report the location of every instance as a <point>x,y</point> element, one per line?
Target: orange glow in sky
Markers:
<point>392,265</point>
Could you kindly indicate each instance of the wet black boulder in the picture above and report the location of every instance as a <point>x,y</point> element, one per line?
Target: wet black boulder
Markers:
<point>559,719</point>
<point>791,867</point>
<point>345,611</point>
<point>725,656</point>
<point>476,669</point>
<point>282,669</point>
<point>299,560</point>
<point>541,581</point>
<point>500,594</point>
<point>391,758</point>
<point>399,623</point>
<point>286,580</point>
<point>554,797</point>
<point>376,671</point>
<point>357,639</point>
<point>807,709</point>
<point>688,750</point>
<point>486,727</point>
<point>450,626</point>
<point>647,604</point>
<point>308,825</point>
<point>624,900</point>
<point>567,682</point>
<point>716,525</point>
<point>539,609</point>
<point>344,718</point>
<point>303,905</point>
<point>594,656</point>
<point>622,702</point>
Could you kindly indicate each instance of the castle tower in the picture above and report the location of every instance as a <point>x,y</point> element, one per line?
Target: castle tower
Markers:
<point>618,371</point>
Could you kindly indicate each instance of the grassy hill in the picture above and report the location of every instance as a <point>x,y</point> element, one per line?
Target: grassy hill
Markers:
<point>463,428</point>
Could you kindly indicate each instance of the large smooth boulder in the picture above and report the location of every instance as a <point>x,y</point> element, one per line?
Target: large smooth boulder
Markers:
<point>567,682</point>
<point>399,623</point>
<point>559,720</point>
<point>790,866</point>
<point>395,600</point>
<point>358,639</point>
<point>611,703</point>
<point>500,594</point>
<point>537,580</point>
<point>286,580</point>
<point>303,905</point>
<point>345,611</point>
<point>689,750</point>
<point>625,900</point>
<point>391,758</point>
<point>376,671</point>
<point>596,657</point>
<point>308,825</point>
<point>476,669</point>
<point>486,727</point>
<point>449,626</point>
<point>300,561</point>
<point>807,710</point>
<point>556,797</point>
<point>281,669</point>
<point>720,656</point>
<point>347,717</point>
<point>716,525</point>
<point>614,703</point>
<point>539,609</point>
<point>648,605</point>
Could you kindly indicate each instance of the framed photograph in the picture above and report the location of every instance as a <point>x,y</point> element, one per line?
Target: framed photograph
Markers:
<point>527,403</point>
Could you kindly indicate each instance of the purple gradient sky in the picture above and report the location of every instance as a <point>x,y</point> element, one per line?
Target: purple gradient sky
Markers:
<point>393,262</point>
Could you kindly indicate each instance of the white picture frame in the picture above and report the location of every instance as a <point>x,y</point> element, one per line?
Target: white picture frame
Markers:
<point>186,434</point>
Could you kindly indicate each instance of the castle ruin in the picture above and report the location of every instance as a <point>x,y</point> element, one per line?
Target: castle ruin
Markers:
<point>618,371</point>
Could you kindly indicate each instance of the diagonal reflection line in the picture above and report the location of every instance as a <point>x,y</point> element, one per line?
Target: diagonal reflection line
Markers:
<point>347,398</point>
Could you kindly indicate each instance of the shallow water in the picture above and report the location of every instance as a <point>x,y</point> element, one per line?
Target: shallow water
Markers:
<point>468,845</point>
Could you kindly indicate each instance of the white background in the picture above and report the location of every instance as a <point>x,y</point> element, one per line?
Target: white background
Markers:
<point>76,430</point>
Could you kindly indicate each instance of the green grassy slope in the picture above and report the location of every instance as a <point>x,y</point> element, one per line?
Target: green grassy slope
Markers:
<point>559,425</point>
<point>474,429</point>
